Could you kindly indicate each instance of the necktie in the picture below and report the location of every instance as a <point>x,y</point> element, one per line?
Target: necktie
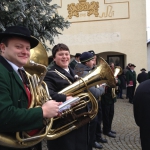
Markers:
<point>26,84</point>
<point>24,76</point>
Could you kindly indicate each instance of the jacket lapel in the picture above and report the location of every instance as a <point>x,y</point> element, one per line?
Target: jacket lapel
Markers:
<point>70,75</point>
<point>18,80</point>
<point>12,72</point>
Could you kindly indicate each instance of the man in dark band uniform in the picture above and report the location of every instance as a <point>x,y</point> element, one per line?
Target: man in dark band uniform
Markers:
<point>58,77</point>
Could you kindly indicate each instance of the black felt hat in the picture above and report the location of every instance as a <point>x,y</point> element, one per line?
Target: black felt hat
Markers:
<point>132,65</point>
<point>143,69</point>
<point>77,55</point>
<point>92,52</point>
<point>19,31</point>
<point>86,56</point>
<point>129,64</point>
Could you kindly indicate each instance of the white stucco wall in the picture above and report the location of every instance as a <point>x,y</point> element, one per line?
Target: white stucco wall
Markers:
<point>148,56</point>
<point>121,30</point>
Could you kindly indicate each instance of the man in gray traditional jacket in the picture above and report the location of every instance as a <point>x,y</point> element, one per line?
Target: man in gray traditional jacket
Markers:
<point>82,69</point>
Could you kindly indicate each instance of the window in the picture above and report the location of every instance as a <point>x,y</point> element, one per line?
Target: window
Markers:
<point>118,60</point>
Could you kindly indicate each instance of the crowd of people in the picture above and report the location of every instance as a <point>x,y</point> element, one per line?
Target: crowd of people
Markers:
<point>15,99</point>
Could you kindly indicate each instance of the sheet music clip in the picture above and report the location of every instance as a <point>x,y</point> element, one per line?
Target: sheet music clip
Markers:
<point>67,104</point>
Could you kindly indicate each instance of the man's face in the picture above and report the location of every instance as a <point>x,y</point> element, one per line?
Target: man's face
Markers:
<point>17,51</point>
<point>78,59</point>
<point>90,63</point>
<point>132,67</point>
<point>62,58</point>
<point>112,65</point>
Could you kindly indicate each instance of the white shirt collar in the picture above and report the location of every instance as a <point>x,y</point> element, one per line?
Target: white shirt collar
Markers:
<point>15,68</point>
<point>67,70</point>
<point>77,61</point>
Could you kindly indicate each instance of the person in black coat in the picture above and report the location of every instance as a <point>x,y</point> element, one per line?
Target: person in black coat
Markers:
<point>141,105</point>
<point>75,61</point>
<point>82,69</point>
<point>148,74</point>
<point>98,133</point>
<point>107,101</point>
<point>142,76</point>
<point>58,77</point>
<point>131,82</point>
<point>122,85</point>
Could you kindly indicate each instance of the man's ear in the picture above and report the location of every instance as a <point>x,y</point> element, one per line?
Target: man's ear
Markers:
<point>2,46</point>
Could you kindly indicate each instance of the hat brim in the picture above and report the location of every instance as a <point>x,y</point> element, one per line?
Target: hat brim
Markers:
<point>87,59</point>
<point>33,41</point>
<point>132,66</point>
<point>143,70</point>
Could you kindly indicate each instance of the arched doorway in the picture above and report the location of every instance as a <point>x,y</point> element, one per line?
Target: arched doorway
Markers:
<point>119,59</point>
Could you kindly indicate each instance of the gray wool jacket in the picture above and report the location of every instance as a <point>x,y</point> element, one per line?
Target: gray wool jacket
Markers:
<point>82,70</point>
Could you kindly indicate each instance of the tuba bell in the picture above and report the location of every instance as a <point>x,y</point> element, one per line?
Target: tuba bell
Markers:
<point>39,91</point>
<point>117,71</point>
<point>75,117</point>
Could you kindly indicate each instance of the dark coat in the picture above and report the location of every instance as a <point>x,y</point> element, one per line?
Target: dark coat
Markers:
<point>134,78</point>
<point>148,74</point>
<point>125,70</point>
<point>142,77</point>
<point>76,139</point>
<point>107,98</point>
<point>73,64</point>
<point>131,76</point>
<point>122,79</point>
<point>82,71</point>
<point>56,83</point>
<point>12,98</point>
<point>141,105</point>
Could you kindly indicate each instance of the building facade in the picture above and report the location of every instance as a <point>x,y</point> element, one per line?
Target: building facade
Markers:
<point>148,55</point>
<point>114,29</point>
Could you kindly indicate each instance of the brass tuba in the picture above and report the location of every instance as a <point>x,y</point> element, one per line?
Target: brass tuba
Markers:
<point>75,117</point>
<point>40,95</point>
<point>117,71</point>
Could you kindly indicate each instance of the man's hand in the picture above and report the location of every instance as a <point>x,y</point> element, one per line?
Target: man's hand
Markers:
<point>68,97</point>
<point>103,85</point>
<point>50,109</point>
<point>116,80</point>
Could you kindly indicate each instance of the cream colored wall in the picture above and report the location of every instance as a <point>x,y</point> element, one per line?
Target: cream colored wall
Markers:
<point>123,30</point>
<point>148,56</point>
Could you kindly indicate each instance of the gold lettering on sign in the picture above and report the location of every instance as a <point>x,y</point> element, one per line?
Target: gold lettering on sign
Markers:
<point>109,12</point>
<point>91,8</point>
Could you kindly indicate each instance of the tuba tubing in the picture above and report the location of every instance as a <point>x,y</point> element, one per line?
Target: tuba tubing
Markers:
<point>117,71</point>
<point>101,74</point>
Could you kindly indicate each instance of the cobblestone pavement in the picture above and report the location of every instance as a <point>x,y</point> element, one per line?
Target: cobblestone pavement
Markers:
<point>127,131</point>
<point>127,137</point>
